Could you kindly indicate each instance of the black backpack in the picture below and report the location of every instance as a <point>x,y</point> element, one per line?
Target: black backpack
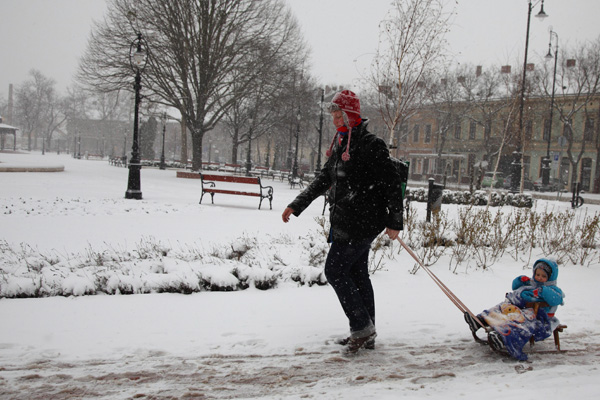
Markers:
<point>402,168</point>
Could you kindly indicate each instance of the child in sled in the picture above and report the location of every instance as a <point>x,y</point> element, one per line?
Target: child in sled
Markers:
<point>512,323</point>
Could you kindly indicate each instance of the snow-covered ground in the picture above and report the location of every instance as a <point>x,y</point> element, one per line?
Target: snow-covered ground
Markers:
<point>271,344</point>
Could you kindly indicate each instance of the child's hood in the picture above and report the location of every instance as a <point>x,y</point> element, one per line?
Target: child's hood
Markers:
<point>553,265</point>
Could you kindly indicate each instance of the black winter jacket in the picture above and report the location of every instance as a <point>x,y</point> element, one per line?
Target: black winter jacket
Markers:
<point>364,192</point>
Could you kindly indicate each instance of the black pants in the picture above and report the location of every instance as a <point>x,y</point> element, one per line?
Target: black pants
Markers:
<point>346,270</point>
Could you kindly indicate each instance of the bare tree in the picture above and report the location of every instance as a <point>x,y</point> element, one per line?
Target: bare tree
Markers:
<point>411,46</point>
<point>446,98</point>
<point>256,112</point>
<point>493,101</point>
<point>578,85</point>
<point>201,53</point>
<point>40,111</point>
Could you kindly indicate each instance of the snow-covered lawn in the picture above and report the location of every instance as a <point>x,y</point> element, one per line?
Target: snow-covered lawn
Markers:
<point>252,343</point>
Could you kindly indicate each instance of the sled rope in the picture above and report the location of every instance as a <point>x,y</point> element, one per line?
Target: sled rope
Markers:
<point>441,285</point>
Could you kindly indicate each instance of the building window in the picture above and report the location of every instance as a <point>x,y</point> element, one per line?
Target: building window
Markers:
<point>427,133</point>
<point>472,130</point>
<point>457,130</point>
<point>547,129</point>
<point>586,173</point>
<point>588,133</point>
<point>425,166</point>
<point>416,134</point>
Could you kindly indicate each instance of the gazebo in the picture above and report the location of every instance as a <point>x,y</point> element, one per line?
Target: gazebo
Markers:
<point>8,130</point>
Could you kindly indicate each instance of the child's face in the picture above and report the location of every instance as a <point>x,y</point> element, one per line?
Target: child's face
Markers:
<point>540,275</point>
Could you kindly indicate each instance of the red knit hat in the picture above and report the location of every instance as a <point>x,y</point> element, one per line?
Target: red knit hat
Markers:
<point>347,101</point>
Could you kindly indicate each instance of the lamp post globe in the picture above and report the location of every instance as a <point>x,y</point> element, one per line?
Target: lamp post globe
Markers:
<point>137,61</point>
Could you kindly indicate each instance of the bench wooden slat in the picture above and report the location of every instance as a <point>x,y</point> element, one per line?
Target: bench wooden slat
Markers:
<point>229,178</point>
<point>223,191</point>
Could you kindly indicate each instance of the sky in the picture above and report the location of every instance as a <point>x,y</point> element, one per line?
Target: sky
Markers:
<point>51,35</point>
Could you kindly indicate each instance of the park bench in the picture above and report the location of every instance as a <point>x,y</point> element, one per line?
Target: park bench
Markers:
<point>118,161</point>
<point>262,171</point>
<point>297,181</point>
<point>281,174</point>
<point>209,186</point>
<point>90,156</point>
<point>211,165</point>
<point>233,168</point>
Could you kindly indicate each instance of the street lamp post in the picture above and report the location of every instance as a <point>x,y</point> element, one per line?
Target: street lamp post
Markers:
<point>516,164</point>
<point>137,62</point>
<point>162,153</point>
<point>320,133</point>
<point>546,161</point>
<point>249,152</point>
<point>295,168</point>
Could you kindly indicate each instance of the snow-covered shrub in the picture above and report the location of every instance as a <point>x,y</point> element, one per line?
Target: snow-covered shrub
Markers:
<point>477,197</point>
<point>260,278</point>
<point>480,235</point>
<point>307,275</point>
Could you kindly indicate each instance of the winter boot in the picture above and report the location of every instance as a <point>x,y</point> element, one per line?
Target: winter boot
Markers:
<point>495,341</point>
<point>355,344</point>
<point>473,324</point>
<point>369,344</point>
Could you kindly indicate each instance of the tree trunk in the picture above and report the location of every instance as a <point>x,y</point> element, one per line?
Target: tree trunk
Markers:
<point>597,173</point>
<point>234,152</point>
<point>197,137</point>
<point>184,151</point>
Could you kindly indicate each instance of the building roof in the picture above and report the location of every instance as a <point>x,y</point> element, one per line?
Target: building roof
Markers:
<point>7,128</point>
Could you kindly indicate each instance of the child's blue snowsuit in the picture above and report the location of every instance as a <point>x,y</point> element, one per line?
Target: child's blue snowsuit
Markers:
<point>516,333</point>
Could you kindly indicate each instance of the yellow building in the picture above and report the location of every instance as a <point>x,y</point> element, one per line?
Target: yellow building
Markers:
<point>455,142</point>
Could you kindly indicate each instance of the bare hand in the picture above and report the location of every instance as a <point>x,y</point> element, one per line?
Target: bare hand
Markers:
<point>392,233</point>
<point>286,214</point>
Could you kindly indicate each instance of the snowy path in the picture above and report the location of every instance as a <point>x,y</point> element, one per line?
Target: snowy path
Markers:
<point>401,370</point>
